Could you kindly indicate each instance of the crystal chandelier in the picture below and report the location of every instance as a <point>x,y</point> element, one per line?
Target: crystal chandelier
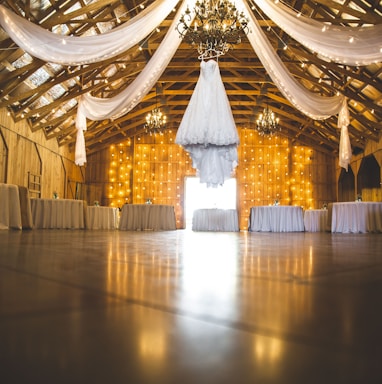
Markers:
<point>267,124</point>
<point>156,120</point>
<point>217,27</point>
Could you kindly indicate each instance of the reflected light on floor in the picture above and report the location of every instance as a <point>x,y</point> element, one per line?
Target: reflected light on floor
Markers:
<point>267,349</point>
<point>209,271</point>
<point>152,344</point>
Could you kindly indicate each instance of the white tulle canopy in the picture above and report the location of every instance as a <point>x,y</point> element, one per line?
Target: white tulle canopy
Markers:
<point>350,46</point>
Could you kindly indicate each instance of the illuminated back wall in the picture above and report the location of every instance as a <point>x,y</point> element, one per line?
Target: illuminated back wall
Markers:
<point>154,167</point>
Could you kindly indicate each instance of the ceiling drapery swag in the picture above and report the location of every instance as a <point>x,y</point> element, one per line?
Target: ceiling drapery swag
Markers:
<point>343,45</point>
<point>311,104</point>
<point>78,50</point>
<point>95,108</point>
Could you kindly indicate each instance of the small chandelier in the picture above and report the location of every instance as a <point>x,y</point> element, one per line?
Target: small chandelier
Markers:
<point>156,120</point>
<point>217,27</point>
<point>267,124</point>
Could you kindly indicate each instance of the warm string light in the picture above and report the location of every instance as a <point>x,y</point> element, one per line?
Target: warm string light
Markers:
<point>270,169</point>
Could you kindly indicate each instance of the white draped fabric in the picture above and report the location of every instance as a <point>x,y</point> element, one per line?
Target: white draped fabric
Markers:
<point>345,45</point>
<point>345,152</point>
<point>74,50</point>
<point>95,108</point>
<point>80,150</point>
<point>311,104</point>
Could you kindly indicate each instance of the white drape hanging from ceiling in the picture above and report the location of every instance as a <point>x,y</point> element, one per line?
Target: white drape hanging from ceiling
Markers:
<point>345,45</point>
<point>345,152</point>
<point>75,50</point>
<point>95,108</point>
<point>311,104</point>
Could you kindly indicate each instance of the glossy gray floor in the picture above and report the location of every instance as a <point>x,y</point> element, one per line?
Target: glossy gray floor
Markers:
<point>190,307</point>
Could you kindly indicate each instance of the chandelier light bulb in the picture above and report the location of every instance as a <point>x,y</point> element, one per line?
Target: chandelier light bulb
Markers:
<point>267,124</point>
<point>217,27</point>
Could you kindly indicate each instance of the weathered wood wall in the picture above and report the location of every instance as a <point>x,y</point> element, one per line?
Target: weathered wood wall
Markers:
<point>23,151</point>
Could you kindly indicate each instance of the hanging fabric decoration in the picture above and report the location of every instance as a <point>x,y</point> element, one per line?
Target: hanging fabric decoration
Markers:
<point>345,45</point>
<point>79,50</point>
<point>80,149</point>
<point>345,147</point>
<point>208,131</point>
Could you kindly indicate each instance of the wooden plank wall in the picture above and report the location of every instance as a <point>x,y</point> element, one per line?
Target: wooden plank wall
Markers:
<point>23,151</point>
<point>149,167</point>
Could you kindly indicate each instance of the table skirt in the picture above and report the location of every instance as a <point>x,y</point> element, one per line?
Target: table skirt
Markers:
<point>279,218</point>
<point>315,220</point>
<point>102,217</point>
<point>225,220</point>
<point>58,213</point>
<point>356,217</point>
<point>10,209</point>
<point>139,217</point>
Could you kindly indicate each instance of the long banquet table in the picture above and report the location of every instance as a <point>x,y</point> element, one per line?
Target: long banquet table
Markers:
<point>138,217</point>
<point>10,209</point>
<point>102,217</point>
<point>356,217</point>
<point>315,220</point>
<point>280,218</point>
<point>58,213</point>
<point>225,220</point>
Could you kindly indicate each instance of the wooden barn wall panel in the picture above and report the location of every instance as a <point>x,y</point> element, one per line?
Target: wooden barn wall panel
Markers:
<point>31,152</point>
<point>154,168</point>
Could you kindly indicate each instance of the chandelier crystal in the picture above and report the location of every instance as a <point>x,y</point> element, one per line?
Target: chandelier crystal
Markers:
<point>216,28</point>
<point>156,120</point>
<point>267,124</point>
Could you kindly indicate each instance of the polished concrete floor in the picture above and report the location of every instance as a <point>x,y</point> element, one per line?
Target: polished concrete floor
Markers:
<point>190,307</point>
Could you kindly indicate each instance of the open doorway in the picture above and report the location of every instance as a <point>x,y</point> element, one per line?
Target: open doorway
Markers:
<point>198,196</point>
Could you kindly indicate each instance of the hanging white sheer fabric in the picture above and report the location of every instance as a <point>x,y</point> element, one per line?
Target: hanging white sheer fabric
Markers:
<point>95,108</point>
<point>80,151</point>
<point>77,50</point>
<point>311,104</point>
<point>208,131</point>
<point>345,152</point>
<point>345,45</point>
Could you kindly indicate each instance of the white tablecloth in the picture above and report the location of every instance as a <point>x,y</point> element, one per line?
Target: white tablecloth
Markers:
<point>225,220</point>
<point>356,217</point>
<point>58,213</point>
<point>10,211</point>
<point>135,217</point>
<point>280,218</point>
<point>102,217</point>
<point>315,220</point>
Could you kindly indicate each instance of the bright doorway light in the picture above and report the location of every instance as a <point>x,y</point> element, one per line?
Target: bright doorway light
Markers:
<point>198,196</point>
